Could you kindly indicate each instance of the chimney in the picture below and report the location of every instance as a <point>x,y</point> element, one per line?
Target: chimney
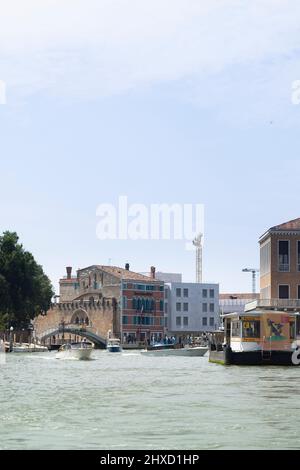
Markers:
<point>69,272</point>
<point>127,266</point>
<point>153,270</point>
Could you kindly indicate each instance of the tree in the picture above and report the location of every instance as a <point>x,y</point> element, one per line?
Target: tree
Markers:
<point>25,290</point>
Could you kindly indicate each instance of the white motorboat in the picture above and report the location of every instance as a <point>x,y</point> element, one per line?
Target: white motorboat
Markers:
<point>114,345</point>
<point>172,350</point>
<point>28,348</point>
<point>75,351</point>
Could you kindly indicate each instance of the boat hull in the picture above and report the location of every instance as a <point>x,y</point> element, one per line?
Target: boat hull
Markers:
<point>31,348</point>
<point>252,358</point>
<point>75,354</point>
<point>114,349</point>
<point>183,352</point>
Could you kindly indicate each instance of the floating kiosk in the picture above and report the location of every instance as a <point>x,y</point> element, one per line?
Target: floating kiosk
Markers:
<point>266,333</point>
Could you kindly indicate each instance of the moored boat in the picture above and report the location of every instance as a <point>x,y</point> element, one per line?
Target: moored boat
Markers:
<point>26,348</point>
<point>261,335</point>
<point>175,350</point>
<point>75,351</point>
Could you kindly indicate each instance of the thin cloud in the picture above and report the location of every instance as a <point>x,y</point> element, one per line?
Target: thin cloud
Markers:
<point>92,48</point>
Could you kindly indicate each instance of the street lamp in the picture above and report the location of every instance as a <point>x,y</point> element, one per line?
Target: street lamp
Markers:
<point>11,338</point>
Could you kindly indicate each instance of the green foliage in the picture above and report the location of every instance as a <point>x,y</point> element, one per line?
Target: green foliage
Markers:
<point>25,291</point>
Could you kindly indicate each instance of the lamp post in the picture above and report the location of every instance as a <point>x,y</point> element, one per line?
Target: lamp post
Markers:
<point>11,338</point>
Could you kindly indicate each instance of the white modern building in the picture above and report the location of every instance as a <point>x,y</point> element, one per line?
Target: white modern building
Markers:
<point>192,307</point>
<point>168,277</point>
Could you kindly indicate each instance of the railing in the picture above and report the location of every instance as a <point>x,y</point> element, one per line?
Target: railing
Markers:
<point>61,327</point>
<point>284,268</point>
<point>229,302</point>
<point>274,303</point>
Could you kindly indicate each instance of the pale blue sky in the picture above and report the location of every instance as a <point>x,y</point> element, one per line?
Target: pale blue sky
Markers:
<point>175,102</point>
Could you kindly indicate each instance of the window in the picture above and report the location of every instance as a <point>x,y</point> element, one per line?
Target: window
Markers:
<point>125,320</point>
<point>141,287</point>
<point>178,292</point>
<point>299,292</point>
<point>185,307</point>
<point>204,293</point>
<point>124,302</point>
<point>178,307</point>
<point>178,321</point>
<point>204,321</point>
<point>292,330</point>
<point>212,308</point>
<point>212,293</point>
<point>298,255</point>
<point>161,305</point>
<point>185,321</point>
<point>284,292</point>
<point>251,329</point>
<point>185,292</point>
<point>212,321</point>
<point>139,320</point>
<point>204,308</point>
<point>283,256</point>
<point>236,329</point>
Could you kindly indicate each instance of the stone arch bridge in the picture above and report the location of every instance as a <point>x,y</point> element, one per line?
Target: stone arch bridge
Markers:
<point>79,319</point>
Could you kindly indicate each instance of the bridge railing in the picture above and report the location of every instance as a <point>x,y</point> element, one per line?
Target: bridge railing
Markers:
<point>61,327</point>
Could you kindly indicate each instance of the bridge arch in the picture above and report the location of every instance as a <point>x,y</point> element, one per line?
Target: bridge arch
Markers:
<point>99,341</point>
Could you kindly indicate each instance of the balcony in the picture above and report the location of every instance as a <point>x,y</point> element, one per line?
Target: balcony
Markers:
<point>284,268</point>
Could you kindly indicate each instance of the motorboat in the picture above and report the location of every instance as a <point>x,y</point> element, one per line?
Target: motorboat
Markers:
<point>114,345</point>
<point>160,350</point>
<point>75,351</point>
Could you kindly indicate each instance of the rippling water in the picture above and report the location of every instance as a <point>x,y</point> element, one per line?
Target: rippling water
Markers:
<point>131,401</point>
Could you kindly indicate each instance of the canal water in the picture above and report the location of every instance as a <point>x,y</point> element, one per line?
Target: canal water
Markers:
<point>131,401</point>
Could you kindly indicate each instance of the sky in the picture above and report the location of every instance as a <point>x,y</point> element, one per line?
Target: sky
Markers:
<point>169,101</point>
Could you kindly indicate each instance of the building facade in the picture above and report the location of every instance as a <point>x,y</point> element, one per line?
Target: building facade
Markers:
<point>140,298</point>
<point>280,262</point>
<point>192,307</point>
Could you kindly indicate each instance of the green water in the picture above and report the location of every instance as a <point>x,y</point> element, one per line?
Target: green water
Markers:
<point>131,401</point>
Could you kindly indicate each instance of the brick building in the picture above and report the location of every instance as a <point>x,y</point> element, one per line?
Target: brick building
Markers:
<point>280,261</point>
<point>140,298</point>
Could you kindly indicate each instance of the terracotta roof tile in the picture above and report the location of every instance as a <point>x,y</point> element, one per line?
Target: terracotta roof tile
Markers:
<point>124,274</point>
<point>291,225</point>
